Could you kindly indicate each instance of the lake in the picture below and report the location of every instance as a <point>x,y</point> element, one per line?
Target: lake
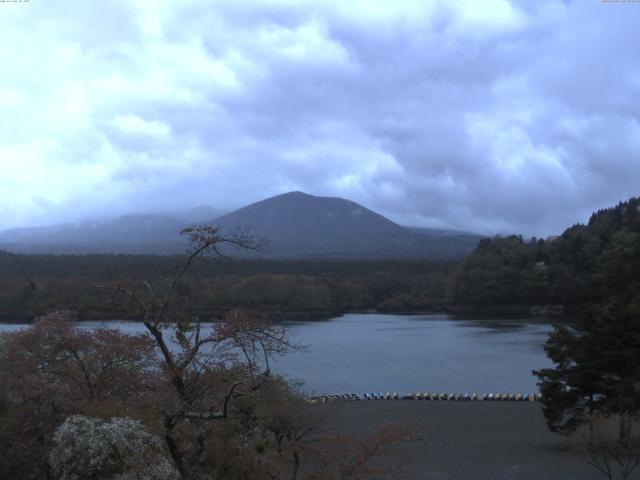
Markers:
<point>407,353</point>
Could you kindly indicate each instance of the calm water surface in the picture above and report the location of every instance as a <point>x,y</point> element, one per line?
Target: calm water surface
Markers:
<point>407,353</point>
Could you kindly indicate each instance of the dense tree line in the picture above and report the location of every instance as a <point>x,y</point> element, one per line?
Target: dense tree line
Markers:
<point>587,264</point>
<point>595,379</point>
<point>34,284</point>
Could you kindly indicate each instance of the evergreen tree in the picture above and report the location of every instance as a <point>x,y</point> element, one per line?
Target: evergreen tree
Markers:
<point>597,368</point>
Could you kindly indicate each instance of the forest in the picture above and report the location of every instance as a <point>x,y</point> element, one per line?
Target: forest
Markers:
<point>34,284</point>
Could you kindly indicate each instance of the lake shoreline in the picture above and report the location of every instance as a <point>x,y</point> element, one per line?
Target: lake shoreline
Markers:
<point>462,311</point>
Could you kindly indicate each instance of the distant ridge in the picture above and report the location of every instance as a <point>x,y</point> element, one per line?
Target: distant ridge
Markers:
<point>154,234</point>
<point>294,225</point>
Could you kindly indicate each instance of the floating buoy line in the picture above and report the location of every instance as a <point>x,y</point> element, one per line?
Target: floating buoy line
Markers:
<point>458,397</point>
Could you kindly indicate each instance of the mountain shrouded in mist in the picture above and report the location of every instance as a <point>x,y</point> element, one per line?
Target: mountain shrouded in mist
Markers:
<point>293,225</point>
<point>297,217</point>
<point>154,234</point>
<point>297,224</point>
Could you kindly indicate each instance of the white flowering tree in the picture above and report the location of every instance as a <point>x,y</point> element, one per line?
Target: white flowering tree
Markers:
<point>52,370</point>
<point>114,449</point>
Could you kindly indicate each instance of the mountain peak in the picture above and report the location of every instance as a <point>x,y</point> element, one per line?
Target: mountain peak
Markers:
<point>294,193</point>
<point>297,224</point>
<point>316,222</point>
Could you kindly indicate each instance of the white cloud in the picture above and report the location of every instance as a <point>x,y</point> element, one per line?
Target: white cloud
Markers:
<point>497,116</point>
<point>134,125</point>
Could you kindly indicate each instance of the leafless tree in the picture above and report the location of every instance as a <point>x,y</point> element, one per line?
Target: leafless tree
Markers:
<point>353,457</point>
<point>207,368</point>
<point>612,445</point>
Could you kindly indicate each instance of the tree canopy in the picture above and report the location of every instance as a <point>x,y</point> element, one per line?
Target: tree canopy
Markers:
<point>587,264</point>
<point>597,360</point>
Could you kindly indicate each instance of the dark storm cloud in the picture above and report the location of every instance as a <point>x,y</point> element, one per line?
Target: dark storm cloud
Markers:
<point>490,116</point>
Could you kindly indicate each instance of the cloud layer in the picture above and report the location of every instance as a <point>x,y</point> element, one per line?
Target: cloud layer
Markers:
<point>491,116</point>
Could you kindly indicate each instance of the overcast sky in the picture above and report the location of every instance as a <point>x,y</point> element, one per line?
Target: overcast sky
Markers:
<point>488,115</point>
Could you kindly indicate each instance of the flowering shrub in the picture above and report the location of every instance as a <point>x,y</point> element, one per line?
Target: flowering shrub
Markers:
<point>117,448</point>
<point>52,370</point>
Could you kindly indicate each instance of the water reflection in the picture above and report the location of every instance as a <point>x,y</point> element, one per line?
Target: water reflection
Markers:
<point>365,352</point>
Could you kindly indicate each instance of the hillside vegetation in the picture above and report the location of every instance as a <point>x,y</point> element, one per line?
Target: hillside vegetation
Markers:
<point>33,284</point>
<point>587,264</point>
